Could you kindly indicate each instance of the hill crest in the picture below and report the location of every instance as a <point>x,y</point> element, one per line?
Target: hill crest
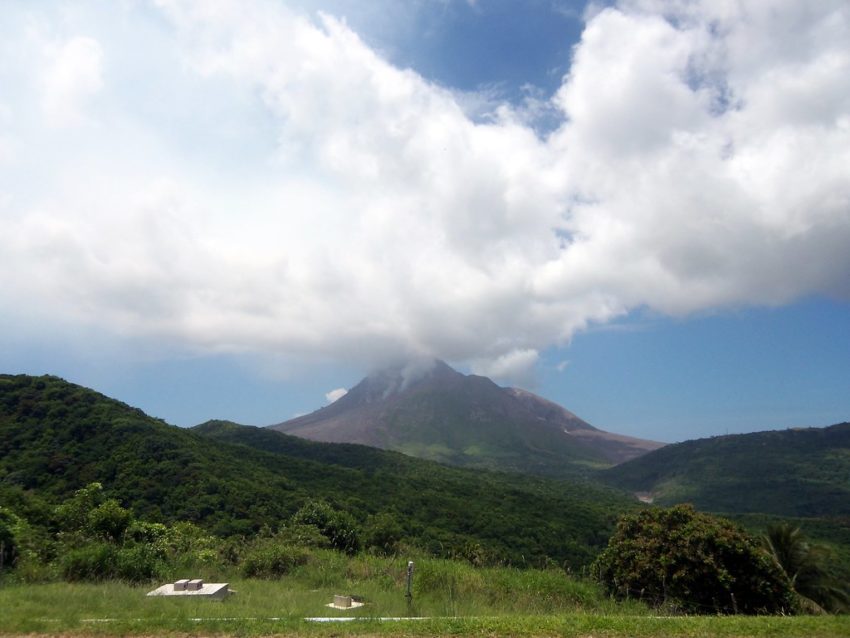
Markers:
<point>740,473</point>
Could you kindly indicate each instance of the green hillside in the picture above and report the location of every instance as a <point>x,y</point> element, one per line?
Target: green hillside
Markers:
<point>56,437</point>
<point>798,473</point>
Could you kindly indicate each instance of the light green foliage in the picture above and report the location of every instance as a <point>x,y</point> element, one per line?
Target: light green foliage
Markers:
<point>108,521</point>
<point>692,561</point>
<point>72,515</point>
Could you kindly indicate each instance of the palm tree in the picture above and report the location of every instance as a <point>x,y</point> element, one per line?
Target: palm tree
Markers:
<point>803,565</point>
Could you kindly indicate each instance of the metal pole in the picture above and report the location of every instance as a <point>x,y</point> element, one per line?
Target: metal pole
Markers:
<point>409,594</point>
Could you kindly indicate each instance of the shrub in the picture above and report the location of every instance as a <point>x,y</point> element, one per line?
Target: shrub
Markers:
<point>8,542</point>
<point>383,533</point>
<point>91,562</point>
<point>303,536</point>
<point>696,562</point>
<point>138,564</point>
<point>72,515</point>
<point>337,526</point>
<point>271,559</point>
<point>108,521</point>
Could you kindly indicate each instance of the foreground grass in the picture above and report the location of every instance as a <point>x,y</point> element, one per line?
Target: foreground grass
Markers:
<point>450,598</point>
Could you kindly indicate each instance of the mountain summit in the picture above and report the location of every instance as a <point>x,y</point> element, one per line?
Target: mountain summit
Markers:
<point>432,411</point>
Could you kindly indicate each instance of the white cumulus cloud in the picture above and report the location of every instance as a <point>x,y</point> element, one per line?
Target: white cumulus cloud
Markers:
<point>72,75</point>
<point>314,200</point>
<point>335,395</point>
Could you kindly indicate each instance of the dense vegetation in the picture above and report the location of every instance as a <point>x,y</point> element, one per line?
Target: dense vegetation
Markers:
<point>92,489</point>
<point>56,438</point>
<point>744,473</point>
<point>687,560</point>
<point>804,566</point>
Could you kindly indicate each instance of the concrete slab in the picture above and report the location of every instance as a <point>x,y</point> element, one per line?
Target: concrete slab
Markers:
<point>216,591</point>
<point>344,602</point>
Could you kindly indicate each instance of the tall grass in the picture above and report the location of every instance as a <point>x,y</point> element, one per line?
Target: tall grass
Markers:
<point>458,598</point>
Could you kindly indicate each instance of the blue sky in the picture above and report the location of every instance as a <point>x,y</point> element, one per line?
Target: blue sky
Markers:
<point>639,209</point>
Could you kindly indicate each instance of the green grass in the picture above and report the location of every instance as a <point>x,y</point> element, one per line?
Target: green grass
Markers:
<point>457,599</point>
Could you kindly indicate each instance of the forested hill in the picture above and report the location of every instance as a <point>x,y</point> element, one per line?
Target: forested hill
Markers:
<point>56,437</point>
<point>799,472</point>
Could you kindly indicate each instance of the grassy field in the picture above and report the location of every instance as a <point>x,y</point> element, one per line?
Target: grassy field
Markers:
<point>450,598</point>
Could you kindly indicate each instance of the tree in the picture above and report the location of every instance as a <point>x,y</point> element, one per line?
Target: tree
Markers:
<point>337,526</point>
<point>109,521</point>
<point>86,515</point>
<point>696,562</point>
<point>804,567</point>
<point>383,533</point>
<point>8,541</point>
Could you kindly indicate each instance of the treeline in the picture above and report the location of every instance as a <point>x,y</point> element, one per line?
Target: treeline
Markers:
<point>677,559</point>
<point>235,481</point>
<point>91,537</point>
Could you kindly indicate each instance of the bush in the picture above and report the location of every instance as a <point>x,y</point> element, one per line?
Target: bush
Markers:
<point>303,536</point>
<point>696,562</point>
<point>108,521</point>
<point>72,514</point>
<point>138,564</point>
<point>383,533</point>
<point>91,562</point>
<point>271,559</point>
<point>337,526</point>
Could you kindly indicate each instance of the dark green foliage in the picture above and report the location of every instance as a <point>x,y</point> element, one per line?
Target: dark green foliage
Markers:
<point>757,479</point>
<point>8,542</point>
<point>99,560</point>
<point>57,438</point>
<point>138,563</point>
<point>522,520</point>
<point>73,514</point>
<point>806,570</point>
<point>338,527</point>
<point>92,562</point>
<point>108,521</point>
<point>270,558</point>
<point>743,473</point>
<point>383,533</point>
<point>696,562</point>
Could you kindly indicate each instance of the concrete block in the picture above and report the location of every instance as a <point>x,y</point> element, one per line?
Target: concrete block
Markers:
<point>180,585</point>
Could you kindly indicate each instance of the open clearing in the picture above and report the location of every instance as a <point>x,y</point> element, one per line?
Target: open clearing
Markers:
<point>274,608</point>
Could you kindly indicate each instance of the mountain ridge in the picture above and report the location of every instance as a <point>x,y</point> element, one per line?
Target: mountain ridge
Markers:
<point>233,480</point>
<point>438,413</point>
<point>795,472</point>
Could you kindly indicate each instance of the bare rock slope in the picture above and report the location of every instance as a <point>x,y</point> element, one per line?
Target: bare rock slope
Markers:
<point>434,412</point>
